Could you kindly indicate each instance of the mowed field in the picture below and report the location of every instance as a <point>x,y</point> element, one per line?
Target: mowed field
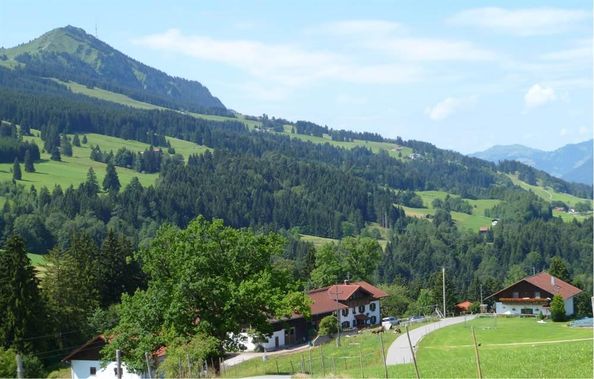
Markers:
<point>509,348</point>
<point>464,221</point>
<point>73,170</point>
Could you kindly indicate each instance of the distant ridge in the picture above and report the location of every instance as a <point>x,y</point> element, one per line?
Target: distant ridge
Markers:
<point>71,54</point>
<point>572,162</point>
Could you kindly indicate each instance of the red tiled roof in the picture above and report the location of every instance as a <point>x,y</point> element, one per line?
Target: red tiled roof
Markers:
<point>545,281</point>
<point>324,299</point>
<point>323,303</point>
<point>464,305</point>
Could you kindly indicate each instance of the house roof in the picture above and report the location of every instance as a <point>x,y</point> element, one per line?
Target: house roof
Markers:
<point>90,347</point>
<point>324,299</point>
<point>548,283</point>
<point>464,305</point>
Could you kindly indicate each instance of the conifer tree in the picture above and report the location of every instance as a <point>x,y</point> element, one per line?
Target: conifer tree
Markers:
<point>66,146</point>
<point>111,181</point>
<point>16,170</point>
<point>76,140</point>
<point>84,140</point>
<point>29,167</point>
<point>20,301</point>
<point>56,154</point>
<point>91,184</point>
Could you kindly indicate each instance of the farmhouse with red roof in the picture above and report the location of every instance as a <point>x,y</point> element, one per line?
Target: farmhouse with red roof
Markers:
<point>533,294</point>
<point>357,304</point>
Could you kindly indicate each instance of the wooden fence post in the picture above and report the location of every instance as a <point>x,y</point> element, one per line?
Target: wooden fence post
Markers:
<point>476,352</point>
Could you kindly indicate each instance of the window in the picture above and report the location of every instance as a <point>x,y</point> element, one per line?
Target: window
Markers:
<point>345,312</point>
<point>373,320</point>
<point>345,325</point>
<point>537,294</point>
<point>354,310</point>
<point>93,370</point>
<point>372,307</point>
<point>526,311</point>
<point>361,308</point>
<point>515,295</point>
<point>354,323</point>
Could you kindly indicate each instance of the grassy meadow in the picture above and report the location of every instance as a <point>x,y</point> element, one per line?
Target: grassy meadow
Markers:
<point>509,348</point>
<point>73,170</point>
<point>464,221</point>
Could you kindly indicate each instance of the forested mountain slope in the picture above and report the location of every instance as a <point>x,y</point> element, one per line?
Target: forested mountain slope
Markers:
<point>69,53</point>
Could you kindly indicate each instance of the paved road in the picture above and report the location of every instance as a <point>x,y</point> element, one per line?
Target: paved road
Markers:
<point>399,351</point>
<point>241,357</point>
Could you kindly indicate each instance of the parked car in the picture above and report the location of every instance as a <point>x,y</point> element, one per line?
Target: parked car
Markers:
<point>418,318</point>
<point>388,322</point>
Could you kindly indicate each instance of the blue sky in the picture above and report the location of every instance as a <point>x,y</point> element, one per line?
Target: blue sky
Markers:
<point>464,75</point>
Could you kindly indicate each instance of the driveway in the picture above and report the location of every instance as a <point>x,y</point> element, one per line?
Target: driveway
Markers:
<point>241,357</point>
<point>399,351</point>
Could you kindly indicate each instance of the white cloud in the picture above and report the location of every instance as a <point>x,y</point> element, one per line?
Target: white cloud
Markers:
<point>285,64</point>
<point>431,49</point>
<point>448,107</point>
<point>523,22</point>
<point>538,95</point>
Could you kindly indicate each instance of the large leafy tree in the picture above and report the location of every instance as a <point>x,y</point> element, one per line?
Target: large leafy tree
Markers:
<point>207,279</point>
<point>353,257</point>
<point>21,307</point>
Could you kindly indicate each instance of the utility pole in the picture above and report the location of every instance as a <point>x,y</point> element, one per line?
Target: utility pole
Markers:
<point>337,315</point>
<point>19,363</point>
<point>119,362</point>
<point>481,287</point>
<point>383,354</point>
<point>478,359</point>
<point>412,353</point>
<point>444,294</point>
<point>148,365</point>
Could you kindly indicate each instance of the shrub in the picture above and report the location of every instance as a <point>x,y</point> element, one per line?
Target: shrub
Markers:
<point>557,308</point>
<point>328,326</point>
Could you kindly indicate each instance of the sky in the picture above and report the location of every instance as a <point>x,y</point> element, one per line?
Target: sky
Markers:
<point>463,75</point>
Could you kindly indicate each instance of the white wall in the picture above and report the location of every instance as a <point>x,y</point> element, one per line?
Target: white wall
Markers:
<point>516,309</point>
<point>268,345</point>
<point>351,315</point>
<point>82,369</point>
<point>569,306</point>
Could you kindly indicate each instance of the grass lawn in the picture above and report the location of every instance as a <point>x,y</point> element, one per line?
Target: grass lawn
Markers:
<point>36,259</point>
<point>73,170</point>
<point>509,347</point>
<point>344,361</point>
<point>317,241</point>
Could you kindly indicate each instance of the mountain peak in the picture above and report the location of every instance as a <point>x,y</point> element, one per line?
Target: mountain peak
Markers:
<point>69,53</point>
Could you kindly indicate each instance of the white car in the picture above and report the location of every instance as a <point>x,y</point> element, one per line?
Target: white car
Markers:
<point>388,322</point>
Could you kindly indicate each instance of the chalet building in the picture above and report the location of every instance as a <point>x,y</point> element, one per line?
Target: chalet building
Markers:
<point>85,362</point>
<point>532,295</point>
<point>357,305</point>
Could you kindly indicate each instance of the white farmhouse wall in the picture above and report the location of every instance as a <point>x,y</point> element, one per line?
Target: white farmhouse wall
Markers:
<point>270,343</point>
<point>569,306</point>
<point>516,309</point>
<point>81,369</point>
<point>350,317</point>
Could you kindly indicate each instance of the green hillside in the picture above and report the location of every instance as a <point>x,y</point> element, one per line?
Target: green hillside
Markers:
<point>69,53</point>
<point>465,221</point>
<point>547,193</point>
<point>73,170</point>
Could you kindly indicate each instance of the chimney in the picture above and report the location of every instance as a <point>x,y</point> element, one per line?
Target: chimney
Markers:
<point>553,281</point>
<point>346,281</point>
